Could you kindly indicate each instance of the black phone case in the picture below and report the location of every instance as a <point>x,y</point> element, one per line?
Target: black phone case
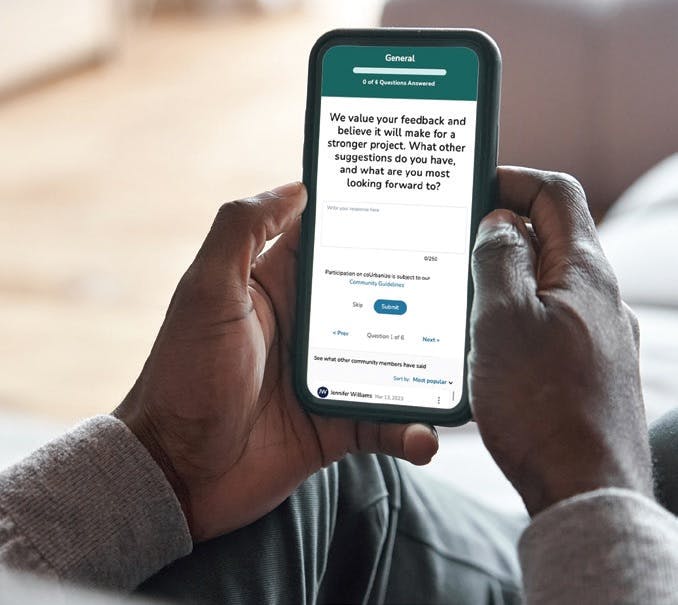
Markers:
<point>484,192</point>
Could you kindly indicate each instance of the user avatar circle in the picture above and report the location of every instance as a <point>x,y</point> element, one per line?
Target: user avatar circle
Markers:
<point>323,392</point>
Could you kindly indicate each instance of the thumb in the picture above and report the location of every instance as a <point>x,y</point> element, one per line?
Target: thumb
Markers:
<point>416,443</point>
<point>242,228</point>
<point>504,263</point>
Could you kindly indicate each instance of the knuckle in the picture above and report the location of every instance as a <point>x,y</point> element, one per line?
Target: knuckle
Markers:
<point>495,253</point>
<point>493,241</point>
<point>235,210</point>
<point>234,218</point>
<point>563,186</point>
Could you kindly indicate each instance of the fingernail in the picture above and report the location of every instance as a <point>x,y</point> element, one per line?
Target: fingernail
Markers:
<point>434,431</point>
<point>498,219</point>
<point>287,190</point>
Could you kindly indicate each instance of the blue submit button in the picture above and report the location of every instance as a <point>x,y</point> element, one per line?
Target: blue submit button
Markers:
<point>390,307</point>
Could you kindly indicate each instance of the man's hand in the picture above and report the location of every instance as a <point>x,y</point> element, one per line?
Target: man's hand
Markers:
<point>553,369</point>
<point>214,403</point>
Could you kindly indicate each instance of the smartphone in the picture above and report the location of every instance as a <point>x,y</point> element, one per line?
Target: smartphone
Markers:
<point>400,158</point>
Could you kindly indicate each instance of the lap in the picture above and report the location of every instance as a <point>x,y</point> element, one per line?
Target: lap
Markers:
<point>366,529</point>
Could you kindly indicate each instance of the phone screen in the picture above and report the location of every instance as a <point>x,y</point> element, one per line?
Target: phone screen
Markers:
<point>394,189</point>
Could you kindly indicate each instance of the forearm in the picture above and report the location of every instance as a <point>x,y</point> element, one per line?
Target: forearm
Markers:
<point>603,547</point>
<point>91,507</point>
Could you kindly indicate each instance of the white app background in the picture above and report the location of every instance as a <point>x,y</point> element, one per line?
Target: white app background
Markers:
<point>405,251</point>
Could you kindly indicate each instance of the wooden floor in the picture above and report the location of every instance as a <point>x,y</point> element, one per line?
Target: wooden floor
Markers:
<point>109,180</point>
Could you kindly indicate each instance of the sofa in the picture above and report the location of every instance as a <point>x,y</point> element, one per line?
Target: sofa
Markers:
<point>590,87</point>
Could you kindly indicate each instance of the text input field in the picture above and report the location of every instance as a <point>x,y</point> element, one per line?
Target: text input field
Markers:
<point>441,229</point>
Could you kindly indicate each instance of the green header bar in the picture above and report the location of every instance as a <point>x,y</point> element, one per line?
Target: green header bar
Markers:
<point>398,72</point>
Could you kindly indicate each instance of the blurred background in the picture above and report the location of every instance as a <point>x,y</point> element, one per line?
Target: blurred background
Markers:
<point>124,125</point>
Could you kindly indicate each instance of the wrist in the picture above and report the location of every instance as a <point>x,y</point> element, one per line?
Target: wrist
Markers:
<point>147,436</point>
<point>556,485</point>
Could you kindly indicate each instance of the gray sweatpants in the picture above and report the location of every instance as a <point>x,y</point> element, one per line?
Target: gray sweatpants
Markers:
<point>365,530</point>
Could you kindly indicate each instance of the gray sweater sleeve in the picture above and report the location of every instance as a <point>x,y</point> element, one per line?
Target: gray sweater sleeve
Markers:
<point>91,507</point>
<point>603,547</point>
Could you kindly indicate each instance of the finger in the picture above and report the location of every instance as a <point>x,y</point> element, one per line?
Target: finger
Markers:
<point>284,248</point>
<point>416,443</point>
<point>242,228</point>
<point>503,263</point>
<point>554,202</point>
<point>276,271</point>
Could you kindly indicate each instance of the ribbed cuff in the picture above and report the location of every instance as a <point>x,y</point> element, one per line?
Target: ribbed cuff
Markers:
<point>606,546</point>
<point>96,507</point>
